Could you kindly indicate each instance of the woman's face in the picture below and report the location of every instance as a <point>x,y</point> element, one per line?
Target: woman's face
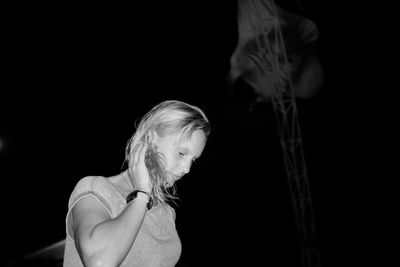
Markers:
<point>180,154</point>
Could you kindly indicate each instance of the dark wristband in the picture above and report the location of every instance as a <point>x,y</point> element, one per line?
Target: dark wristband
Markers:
<point>133,195</point>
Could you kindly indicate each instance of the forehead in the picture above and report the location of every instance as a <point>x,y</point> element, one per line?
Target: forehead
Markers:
<point>193,144</point>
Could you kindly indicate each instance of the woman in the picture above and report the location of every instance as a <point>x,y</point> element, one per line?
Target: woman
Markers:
<point>125,220</point>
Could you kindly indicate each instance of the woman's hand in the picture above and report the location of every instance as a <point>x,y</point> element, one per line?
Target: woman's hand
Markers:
<point>140,177</point>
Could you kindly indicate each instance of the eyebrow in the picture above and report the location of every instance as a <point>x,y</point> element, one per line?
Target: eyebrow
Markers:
<point>187,150</point>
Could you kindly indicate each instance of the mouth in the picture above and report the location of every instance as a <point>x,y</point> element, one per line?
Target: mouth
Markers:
<point>176,177</point>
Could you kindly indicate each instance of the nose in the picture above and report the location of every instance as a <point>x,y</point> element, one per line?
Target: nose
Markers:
<point>185,168</point>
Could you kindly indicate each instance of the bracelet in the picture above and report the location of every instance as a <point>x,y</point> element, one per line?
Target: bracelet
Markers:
<point>133,195</point>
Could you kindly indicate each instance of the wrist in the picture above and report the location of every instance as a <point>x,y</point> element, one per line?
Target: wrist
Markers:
<point>143,189</point>
<point>142,195</point>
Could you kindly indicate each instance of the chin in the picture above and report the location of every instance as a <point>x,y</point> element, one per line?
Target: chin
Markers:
<point>170,184</point>
<point>170,179</point>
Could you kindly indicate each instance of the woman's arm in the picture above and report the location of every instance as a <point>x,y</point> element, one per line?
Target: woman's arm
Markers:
<point>101,240</point>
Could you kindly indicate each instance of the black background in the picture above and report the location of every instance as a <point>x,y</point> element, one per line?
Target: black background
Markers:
<point>77,77</point>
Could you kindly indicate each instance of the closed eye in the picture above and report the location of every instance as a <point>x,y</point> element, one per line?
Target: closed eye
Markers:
<point>183,154</point>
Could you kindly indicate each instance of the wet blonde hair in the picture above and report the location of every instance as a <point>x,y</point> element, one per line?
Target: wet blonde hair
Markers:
<point>167,118</point>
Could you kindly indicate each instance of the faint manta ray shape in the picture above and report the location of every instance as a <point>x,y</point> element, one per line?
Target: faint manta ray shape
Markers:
<point>249,63</point>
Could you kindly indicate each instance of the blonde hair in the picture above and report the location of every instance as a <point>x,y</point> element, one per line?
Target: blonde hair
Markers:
<point>167,118</point>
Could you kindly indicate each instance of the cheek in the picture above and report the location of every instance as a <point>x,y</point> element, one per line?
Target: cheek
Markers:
<point>172,162</point>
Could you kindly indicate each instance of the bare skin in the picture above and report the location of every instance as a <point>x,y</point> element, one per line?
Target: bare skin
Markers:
<point>101,240</point>
<point>105,241</point>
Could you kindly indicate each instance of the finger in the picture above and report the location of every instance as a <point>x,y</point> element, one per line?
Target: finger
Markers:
<point>136,153</point>
<point>143,152</point>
